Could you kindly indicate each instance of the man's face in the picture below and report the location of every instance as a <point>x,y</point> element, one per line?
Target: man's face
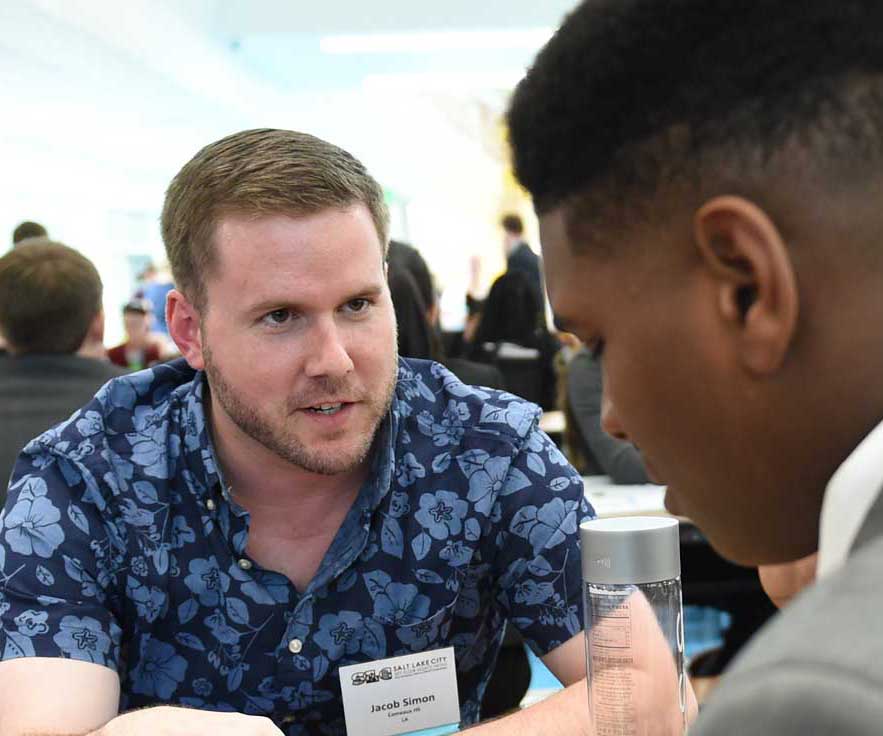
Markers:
<point>671,383</point>
<point>298,337</point>
<point>137,325</point>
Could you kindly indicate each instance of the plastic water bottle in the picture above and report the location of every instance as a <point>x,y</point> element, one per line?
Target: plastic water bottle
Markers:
<point>634,626</point>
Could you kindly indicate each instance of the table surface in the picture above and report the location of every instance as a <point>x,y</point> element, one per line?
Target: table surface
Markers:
<point>609,499</point>
<point>553,422</point>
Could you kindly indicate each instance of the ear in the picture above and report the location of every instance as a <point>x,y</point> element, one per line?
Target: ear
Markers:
<point>757,290</point>
<point>185,328</point>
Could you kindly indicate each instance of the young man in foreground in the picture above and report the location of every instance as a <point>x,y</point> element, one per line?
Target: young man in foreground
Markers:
<point>708,177</point>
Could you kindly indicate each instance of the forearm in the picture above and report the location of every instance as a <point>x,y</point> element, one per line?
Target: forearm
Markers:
<point>564,714</point>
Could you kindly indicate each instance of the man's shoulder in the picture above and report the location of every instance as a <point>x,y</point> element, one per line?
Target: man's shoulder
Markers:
<point>828,642</point>
<point>429,393</point>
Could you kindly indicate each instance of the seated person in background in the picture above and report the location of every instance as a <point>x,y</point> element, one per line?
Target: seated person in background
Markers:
<point>708,178</point>
<point>51,316</point>
<point>28,231</point>
<point>141,348</point>
<point>416,307</point>
<point>508,337</point>
<point>600,453</point>
<point>225,531</point>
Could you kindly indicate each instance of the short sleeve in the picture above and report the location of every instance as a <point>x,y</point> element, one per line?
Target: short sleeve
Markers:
<point>538,556</point>
<point>57,557</point>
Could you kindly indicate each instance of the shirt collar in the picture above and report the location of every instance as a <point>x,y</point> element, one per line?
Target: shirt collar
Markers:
<point>199,451</point>
<point>849,496</point>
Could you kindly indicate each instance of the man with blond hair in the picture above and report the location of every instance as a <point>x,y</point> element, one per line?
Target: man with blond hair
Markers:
<point>227,531</point>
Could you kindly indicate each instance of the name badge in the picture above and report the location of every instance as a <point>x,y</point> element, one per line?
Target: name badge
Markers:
<point>400,694</point>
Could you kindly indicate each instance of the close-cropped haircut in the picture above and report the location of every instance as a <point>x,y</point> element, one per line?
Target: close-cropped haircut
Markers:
<point>631,95</point>
<point>49,296</point>
<point>256,173</point>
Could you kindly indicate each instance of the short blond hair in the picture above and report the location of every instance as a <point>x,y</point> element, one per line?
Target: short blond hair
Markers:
<point>258,172</point>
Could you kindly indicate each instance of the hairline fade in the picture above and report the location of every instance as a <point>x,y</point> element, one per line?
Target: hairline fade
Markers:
<point>633,94</point>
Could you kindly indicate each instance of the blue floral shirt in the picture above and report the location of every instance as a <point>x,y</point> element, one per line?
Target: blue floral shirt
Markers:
<point>119,546</point>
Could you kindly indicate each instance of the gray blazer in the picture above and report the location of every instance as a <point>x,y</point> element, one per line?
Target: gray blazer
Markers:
<point>817,667</point>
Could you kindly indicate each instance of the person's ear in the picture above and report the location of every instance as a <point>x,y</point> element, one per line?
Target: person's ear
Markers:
<point>757,293</point>
<point>184,323</point>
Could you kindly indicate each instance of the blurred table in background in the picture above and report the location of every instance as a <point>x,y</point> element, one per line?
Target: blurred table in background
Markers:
<point>553,423</point>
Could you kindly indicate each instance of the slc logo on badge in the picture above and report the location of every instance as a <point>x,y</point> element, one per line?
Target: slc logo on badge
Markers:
<point>368,676</point>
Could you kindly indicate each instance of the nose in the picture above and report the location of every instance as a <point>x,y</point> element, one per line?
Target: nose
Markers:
<point>609,420</point>
<point>327,354</point>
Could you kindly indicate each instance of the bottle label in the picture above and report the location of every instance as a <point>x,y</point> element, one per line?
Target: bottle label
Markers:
<point>610,663</point>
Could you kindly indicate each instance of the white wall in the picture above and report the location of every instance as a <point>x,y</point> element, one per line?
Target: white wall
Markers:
<point>102,102</point>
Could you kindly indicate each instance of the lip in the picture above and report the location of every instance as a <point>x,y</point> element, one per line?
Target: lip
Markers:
<point>329,420</point>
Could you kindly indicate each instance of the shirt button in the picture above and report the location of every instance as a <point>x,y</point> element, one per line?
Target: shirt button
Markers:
<point>295,645</point>
<point>244,564</point>
<point>210,505</point>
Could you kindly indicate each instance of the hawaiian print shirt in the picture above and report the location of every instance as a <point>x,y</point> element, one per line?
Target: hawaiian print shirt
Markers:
<point>120,546</point>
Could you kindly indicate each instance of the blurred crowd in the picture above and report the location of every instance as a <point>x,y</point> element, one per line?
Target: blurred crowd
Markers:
<point>53,355</point>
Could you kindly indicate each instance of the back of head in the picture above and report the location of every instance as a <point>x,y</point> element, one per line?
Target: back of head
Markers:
<point>27,230</point>
<point>256,173</point>
<point>49,296</point>
<point>512,224</point>
<point>408,257</point>
<point>511,311</point>
<point>712,96</point>
<point>415,339</point>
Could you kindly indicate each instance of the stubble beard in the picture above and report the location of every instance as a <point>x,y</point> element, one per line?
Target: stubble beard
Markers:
<point>284,443</point>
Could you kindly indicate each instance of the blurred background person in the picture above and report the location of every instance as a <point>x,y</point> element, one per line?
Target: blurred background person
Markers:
<point>53,322</point>
<point>28,230</point>
<point>519,256</point>
<point>141,348</point>
<point>415,301</point>
<point>595,451</point>
<point>508,336</point>
<point>154,284</point>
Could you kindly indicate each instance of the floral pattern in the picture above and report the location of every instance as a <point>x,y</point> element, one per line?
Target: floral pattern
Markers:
<point>119,548</point>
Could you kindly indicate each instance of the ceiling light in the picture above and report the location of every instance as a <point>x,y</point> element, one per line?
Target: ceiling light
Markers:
<point>421,42</point>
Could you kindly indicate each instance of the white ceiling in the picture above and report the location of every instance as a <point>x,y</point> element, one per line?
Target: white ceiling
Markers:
<point>280,41</point>
<point>247,17</point>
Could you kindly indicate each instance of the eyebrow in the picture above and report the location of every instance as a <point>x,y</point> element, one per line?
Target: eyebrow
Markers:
<point>270,304</point>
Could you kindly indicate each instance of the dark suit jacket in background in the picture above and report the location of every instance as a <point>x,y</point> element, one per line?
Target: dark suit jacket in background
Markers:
<point>817,668</point>
<point>522,258</point>
<point>39,391</point>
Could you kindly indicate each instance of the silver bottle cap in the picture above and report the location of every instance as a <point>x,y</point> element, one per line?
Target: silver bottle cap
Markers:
<point>630,549</point>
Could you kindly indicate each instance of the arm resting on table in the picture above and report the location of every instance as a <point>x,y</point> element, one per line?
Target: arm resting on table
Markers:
<point>45,695</point>
<point>567,713</point>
